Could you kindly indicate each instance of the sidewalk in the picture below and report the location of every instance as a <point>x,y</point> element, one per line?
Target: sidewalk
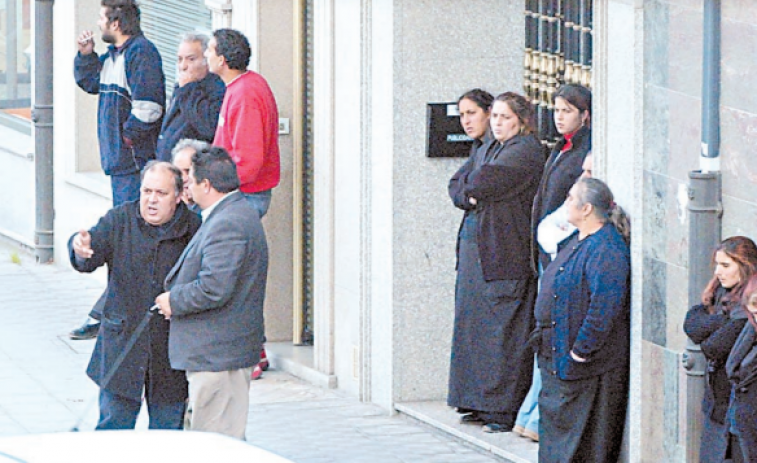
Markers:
<point>43,387</point>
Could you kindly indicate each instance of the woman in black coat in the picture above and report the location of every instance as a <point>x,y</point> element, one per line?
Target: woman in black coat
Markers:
<point>715,325</point>
<point>572,116</point>
<point>741,368</point>
<point>490,370</point>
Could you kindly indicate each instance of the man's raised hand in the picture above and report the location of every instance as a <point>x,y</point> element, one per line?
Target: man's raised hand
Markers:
<point>83,244</point>
<point>86,42</point>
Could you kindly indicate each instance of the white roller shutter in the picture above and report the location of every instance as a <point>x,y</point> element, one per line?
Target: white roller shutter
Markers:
<point>165,21</point>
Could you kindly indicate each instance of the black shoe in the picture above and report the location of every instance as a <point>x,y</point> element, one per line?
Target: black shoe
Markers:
<point>86,331</point>
<point>496,427</point>
<point>471,418</point>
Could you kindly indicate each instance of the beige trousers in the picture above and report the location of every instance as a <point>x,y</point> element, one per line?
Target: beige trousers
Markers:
<point>219,401</point>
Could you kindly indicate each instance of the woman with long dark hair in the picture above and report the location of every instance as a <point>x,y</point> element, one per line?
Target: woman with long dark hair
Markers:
<point>715,325</point>
<point>490,366</point>
<point>572,116</point>
<point>583,318</point>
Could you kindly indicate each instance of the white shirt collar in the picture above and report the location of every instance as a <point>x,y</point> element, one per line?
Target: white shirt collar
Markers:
<point>205,213</point>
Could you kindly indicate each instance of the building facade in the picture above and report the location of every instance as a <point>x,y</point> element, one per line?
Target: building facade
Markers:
<point>361,230</point>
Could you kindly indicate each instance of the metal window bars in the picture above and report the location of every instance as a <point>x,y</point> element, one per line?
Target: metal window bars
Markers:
<point>558,50</point>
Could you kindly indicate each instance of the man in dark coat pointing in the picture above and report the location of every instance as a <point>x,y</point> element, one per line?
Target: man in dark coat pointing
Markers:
<point>139,241</point>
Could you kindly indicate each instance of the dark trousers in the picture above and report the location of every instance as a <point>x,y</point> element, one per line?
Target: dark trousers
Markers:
<point>582,420</point>
<point>119,412</point>
<point>125,188</point>
<point>744,407</point>
<point>97,310</point>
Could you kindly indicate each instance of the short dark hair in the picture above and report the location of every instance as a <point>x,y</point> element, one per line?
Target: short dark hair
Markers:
<point>126,12</point>
<point>215,165</point>
<point>234,47</point>
<point>155,165</point>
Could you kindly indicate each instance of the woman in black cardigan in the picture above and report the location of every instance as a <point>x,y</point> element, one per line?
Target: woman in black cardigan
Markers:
<point>715,325</point>
<point>490,368</point>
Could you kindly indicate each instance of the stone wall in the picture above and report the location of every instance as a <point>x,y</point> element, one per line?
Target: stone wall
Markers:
<point>672,123</point>
<point>440,52</point>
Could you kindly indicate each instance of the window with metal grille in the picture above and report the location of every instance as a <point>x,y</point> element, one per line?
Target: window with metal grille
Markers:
<point>165,21</point>
<point>558,51</point>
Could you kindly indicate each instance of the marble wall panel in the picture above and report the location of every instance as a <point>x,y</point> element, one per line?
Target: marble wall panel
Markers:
<point>657,125</point>
<point>739,217</point>
<point>739,10</point>
<point>656,43</point>
<point>738,160</point>
<point>685,134</point>
<point>423,355</point>
<point>739,68</point>
<point>652,400</point>
<point>655,302</point>
<point>671,364</point>
<point>676,305</point>
<point>661,423</point>
<point>665,219</point>
<point>684,49</point>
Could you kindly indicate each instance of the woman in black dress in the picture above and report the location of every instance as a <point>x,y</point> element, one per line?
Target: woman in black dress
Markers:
<point>490,370</point>
<point>715,325</point>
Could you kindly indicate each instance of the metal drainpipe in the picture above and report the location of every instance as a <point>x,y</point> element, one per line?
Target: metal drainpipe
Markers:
<point>42,116</point>
<point>705,213</point>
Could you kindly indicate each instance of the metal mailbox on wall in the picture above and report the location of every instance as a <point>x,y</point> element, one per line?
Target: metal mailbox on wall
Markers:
<point>445,137</point>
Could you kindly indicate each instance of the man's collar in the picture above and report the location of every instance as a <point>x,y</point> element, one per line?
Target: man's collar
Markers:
<point>207,211</point>
<point>117,50</point>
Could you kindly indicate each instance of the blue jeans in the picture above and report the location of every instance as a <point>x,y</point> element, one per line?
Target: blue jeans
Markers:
<point>119,412</point>
<point>125,188</point>
<point>528,416</point>
<point>261,201</point>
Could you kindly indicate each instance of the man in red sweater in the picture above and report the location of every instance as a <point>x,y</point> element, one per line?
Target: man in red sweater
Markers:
<point>248,126</point>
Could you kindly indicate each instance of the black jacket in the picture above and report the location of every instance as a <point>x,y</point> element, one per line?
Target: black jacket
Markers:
<point>192,113</point>
<point>741,365</point>
<point>716,334</point>
<point>560,173</point>
<point>139,256</point>
<point>503,183</point>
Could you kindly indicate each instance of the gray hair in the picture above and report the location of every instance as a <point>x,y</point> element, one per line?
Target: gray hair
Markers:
<point>198,37</point>
<point>196,145</point>
<point>596,192</point>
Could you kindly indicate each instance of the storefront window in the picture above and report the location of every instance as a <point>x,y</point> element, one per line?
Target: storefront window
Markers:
<point>16,56</point>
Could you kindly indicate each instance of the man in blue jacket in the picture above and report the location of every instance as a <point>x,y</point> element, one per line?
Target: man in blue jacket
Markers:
<point>131,86</point>
<point>129,79</point>
<point>196,100</point>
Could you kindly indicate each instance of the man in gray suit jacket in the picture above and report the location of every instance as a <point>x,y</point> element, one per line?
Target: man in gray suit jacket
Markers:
<point>215,296</point>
